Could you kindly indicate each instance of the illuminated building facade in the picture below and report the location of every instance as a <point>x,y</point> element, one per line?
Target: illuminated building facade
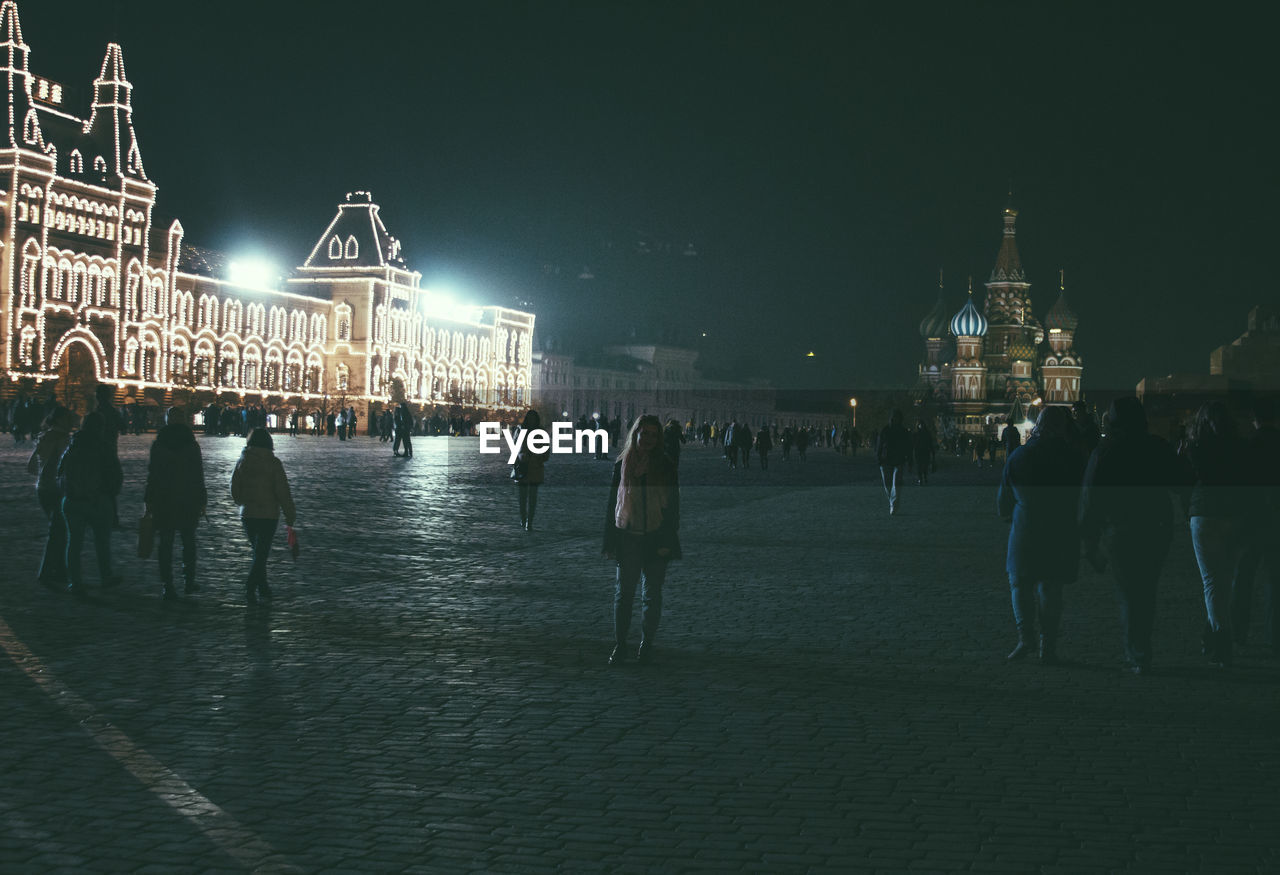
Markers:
<point>983,367</point>
<point>89,287</point>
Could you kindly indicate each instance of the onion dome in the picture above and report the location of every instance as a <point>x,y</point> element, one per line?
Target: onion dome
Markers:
<point>1021,351</point>
<point>934,324</point>
<point>969,322</point>
<point>1060,315</point>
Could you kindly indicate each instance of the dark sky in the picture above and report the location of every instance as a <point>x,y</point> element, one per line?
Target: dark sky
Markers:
<point>824,160</point>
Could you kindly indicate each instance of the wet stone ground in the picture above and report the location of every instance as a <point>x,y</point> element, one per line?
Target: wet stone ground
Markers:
<point>428,692</point>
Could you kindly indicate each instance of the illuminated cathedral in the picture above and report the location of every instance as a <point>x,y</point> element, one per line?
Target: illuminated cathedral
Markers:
<point>89,285</point>
<point>996,363</point>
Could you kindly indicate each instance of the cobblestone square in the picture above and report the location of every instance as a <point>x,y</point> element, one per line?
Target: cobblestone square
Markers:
<point>428,692</point>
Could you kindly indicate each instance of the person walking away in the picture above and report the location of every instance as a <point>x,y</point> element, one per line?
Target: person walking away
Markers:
<point>1011,438</point>
<point>175,496</point>
<point>260,487</point>
<point>641,532</point>
<point>1220,509</point>
<point>672,438</point>
<point>89,478</point>
<point>534,467</point>
<point>403,430</point>
<point>764,444</point>
<point>893,451</point>
<point>44,460</point>
<point>1040,492</point>
<point>1262,539</point>
<point>731,444</point>
<point>922,451</point>
<point>1126,518</point>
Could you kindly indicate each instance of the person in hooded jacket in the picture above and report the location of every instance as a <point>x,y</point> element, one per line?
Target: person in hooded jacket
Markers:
<point>175,496</point>
<point>1126,518</point>
<point>90,478</point>
<point>44,463</point>
<point>260,487</point>
<point>641,531</point>
<point>1040,493</point>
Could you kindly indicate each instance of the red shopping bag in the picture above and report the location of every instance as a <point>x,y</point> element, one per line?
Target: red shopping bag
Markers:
<point>291,538</point>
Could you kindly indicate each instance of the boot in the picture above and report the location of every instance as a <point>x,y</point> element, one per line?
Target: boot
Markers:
<point>1023,648</point>
<point>1048,651</point>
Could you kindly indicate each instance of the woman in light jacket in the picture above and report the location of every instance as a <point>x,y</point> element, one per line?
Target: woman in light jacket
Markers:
<point>641,531</point>
<point>260,487</point>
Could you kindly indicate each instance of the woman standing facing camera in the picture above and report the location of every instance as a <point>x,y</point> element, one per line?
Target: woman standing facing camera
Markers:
<point>260,487</point>
<point>641,531</point>
<point>530,467</point>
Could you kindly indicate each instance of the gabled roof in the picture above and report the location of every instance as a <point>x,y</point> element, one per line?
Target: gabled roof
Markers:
<point>356,238</point>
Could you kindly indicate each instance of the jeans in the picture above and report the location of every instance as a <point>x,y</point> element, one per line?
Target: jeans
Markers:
<point>260,532</point>
<point>164,552</point>
<point>1030,597</point>
<point>637,559</point>
<point>97,513</point>
<point>1219,543</point>
<point>1261,547</point>
<point>53,567</point>
<point>1137,573</point>
<point>891,475</point>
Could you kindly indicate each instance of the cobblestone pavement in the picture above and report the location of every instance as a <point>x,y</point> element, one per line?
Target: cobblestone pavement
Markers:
<point>429,691</point>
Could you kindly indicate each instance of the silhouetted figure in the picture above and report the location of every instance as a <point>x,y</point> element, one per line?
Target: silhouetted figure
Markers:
<point>1220,508</point>
<point>641,531</point>
<point>260,487</point>
<point>404,430</point>
<point>533,468</point>
<point>893,451</point>
<point>44,463</point>
<point>1087,433</point>
<point>731,444</point>
<point>1039,492</point>
<point>175,497</point>
<point>1011,438</point>
<point>1126,518</point>
<point>1262,539</point>
<point>764,444</point>
<point>922,452</point>
<point>672,439</point>
<point>90,478</point>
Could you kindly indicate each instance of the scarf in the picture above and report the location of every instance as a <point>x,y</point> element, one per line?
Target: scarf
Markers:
<point>640,505</point>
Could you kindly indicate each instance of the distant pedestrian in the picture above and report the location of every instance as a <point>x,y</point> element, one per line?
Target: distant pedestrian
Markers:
<point>1039,492</point>
<point>731,443</point>
<point>175,497</point>
<point>673,438</point>
<point>1221,505</point>
<point>1126,518</point>
<point>641,531</point>
<point>893,452</point>
<point>531,467</point>
<point>1262,539</point>
<point>922,452</point>
<point>403,430</point>
<point>90,478</point>
<point>764,444</point>
<point>44,460</point>
<point>744,437</point>
<point>260,487</point>
<point>1011,438</point>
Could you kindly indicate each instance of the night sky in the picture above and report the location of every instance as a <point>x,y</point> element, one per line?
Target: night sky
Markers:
<point>823,161</point>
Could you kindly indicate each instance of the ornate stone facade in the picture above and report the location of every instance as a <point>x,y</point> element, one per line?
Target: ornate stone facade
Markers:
<point>89,285</point>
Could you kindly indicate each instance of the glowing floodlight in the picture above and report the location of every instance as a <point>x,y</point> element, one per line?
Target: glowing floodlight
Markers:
<point>253,273</point>
<point>443,305</point>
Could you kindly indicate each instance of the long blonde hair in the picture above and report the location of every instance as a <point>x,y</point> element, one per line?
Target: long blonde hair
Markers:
<point>659,464</point>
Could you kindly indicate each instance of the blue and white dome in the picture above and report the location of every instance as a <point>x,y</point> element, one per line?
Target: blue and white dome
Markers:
<point>969,322</point>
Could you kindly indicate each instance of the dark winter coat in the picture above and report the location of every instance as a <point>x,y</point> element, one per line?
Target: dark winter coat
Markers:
<point>1223,478</point>
<point>175,492</point>
<point>89,469</point>
<point>893,449</point>
<point>1040,492</point>
<point>1125,503</point>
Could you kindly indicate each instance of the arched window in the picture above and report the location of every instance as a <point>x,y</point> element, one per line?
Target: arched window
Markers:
<point>27,352</point>
<point>30,273</point>
<point>344,323</point>
<point>344,378</point>
<point>352,249</point>
<point>335,248</point>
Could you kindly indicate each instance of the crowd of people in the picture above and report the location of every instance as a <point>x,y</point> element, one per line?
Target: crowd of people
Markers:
<point>79,480</point>
<point>1071,491</point>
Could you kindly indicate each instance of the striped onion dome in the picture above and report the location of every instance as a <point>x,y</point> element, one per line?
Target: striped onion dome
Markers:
<point>1021,351</point>
<point>969,322</point>
<point>1060,315</point>
<point>934,324</point>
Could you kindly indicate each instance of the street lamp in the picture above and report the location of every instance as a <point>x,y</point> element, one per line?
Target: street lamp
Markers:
<point>853,407</point>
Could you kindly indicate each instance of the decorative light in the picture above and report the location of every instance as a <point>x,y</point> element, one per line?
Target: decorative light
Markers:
<point>253,273</point>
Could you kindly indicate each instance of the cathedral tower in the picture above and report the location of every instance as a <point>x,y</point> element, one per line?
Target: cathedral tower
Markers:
<point>968,371</point>
<point>1061,370</point>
